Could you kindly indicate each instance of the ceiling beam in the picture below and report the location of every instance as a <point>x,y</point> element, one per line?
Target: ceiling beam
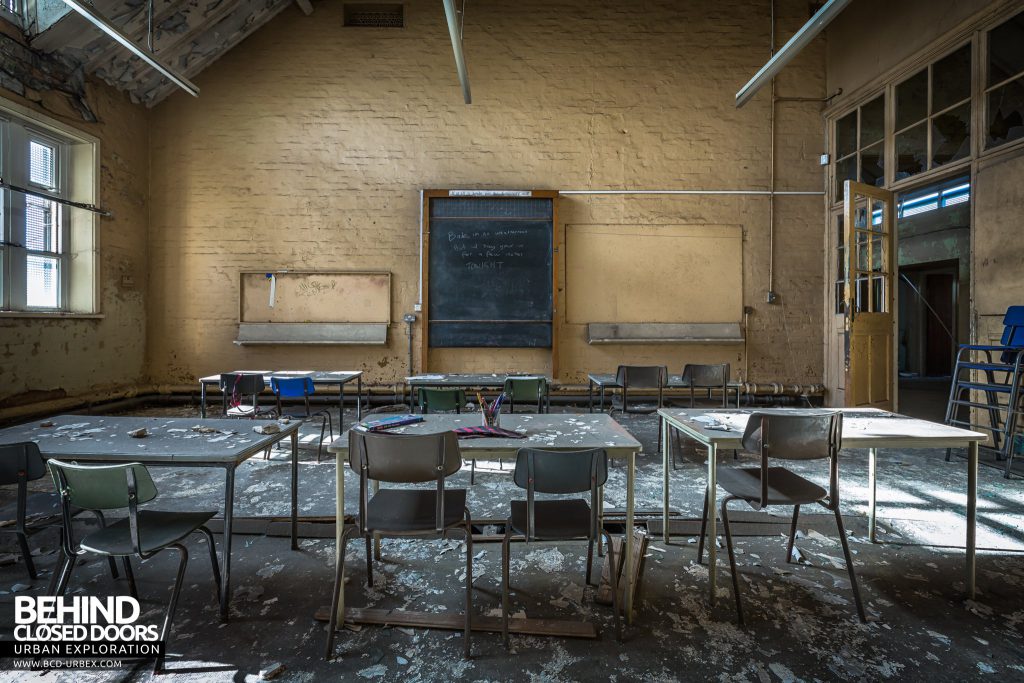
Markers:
<point>306,6</point>
<point>455,30</point>
<point>137,28</point>
<point>829,11</point>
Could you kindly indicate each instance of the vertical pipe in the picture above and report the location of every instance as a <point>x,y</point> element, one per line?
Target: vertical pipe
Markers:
<point>455,32</point>
<point>771,173</point>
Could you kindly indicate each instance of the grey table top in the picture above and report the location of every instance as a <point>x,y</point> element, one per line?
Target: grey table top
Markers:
<point>318,376</point>
<point>550,431</point>
<point>465,379</point>
<point>602,379</point>
<point>171,441</point>
<point>862,427</point>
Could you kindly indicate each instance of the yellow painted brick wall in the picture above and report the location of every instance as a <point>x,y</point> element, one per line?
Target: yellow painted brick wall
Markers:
<point>310,143</point>
<point>48,359</point>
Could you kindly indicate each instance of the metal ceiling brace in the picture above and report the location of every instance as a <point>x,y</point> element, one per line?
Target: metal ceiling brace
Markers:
<point>455,30</point>
<point>829,11</point>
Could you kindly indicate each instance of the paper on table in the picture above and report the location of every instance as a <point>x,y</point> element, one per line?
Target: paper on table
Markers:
<point>425,377</point>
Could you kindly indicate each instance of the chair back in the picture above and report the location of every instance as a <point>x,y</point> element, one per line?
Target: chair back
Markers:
<point>705,376</point>
<point>641,376</point>
<point>1013,332</point>
<point>102,487</point>
<point>440,399</point>
<point>234,386</point>
<point>794,437</point>
<point>21,462</point>
<point>403,458</point>
<point>292,387</point>
<point>526,389</point>
<point>560,472</point>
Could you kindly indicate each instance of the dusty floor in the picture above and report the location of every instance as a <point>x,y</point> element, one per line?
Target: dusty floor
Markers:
<point>801,623</point>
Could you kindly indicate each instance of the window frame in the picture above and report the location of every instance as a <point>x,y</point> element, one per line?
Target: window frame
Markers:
<point>983,89</point>
<point>76,176</point>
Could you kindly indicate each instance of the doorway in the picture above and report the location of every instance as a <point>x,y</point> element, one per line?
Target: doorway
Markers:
<point>933,224</point>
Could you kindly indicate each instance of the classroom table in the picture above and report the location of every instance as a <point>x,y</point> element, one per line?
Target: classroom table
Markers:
<point>550,432</point>
<point>862,428</point>
<point>172,442</point>
<point>319,377</point>
<point>605,381</point>
<point>463,381</point>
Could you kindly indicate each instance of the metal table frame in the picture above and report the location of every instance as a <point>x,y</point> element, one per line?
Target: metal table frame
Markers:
<point>941,436</point>
<point>229,461</point>
<point>605,381</point>
<point>505,449</point>
<point>319,377</point>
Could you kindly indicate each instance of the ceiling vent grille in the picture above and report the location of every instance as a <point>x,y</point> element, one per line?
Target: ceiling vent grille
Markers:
<point>363,15</point>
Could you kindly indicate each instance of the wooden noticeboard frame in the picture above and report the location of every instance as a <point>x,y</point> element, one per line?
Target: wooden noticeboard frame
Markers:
<point>556,241</point>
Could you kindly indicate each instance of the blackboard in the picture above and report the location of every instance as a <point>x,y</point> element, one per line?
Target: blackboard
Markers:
<point>490,272</point>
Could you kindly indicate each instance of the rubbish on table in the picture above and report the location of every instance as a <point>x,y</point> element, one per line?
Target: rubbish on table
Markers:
<point>270,428</point>
<point>139,433</point>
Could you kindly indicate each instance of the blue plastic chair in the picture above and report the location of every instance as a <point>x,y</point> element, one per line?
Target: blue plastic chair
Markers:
<point>301,387</point>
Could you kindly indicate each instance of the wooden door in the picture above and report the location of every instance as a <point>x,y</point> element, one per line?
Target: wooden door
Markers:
<point>869,293</point>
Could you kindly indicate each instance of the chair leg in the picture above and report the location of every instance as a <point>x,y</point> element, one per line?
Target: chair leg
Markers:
<point>792,534</point>
<point>320,444</point>
<point>27,555</point>
<point>213,558</point>
<point>369,560</point>
<point>110,560</point>
<point>339,572</point>
<point>614,576</point>
<point>132,588</point>
<point>732,558</point>
<point>590,560</point>
<point>469,586</point>
<point>849,566</point>
<point>506,549</point>
<point>65,576</point>
<point>58,580</point>
<point>175,592</point>
<point>472,472</point>
<point>703,530</point>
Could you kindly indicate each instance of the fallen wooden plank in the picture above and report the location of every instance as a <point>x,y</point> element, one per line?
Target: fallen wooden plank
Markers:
<point>456,622</point>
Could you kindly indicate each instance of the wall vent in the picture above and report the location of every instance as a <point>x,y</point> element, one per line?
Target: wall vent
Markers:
<point>367,15</point>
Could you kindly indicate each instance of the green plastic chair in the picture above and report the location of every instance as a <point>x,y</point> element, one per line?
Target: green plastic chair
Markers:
<point>529,390</point>
<point>144,533</point>
<point>440,400</point>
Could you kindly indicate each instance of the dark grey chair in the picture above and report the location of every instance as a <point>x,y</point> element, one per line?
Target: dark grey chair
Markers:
<point>144,533</point>
<point>21,463</point>
<point>235,387</point>
<point>706,377</point>
<point>562,473</point>
<point>425,512</point>
<point>784,437</point>
<point>640,377</point>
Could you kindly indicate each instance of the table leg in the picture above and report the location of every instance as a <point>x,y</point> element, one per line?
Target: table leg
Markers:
<point>628,544</point>
<point>229,518</point>
<point>972,513</point>
<point>375,485</point>
<point>359,397</point>
<point>666,458</point>
<point>339,529</point>
<point>590,395</point>
<point>295,490</point>
<point>712,521</point>
<point>600,520</point>
<point>341,408</point>
<point>202,400</point>
<point>872,492</point>
<point>602,398</point>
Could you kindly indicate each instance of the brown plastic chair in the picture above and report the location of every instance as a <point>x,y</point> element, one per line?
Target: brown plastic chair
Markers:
<point>407,512</point>
<point>784,437</point>
<point>561,473</point>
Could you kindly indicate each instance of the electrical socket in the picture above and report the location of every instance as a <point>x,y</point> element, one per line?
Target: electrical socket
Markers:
<point>417,308</point>
<point>823,160</point>
<point>772,297</point>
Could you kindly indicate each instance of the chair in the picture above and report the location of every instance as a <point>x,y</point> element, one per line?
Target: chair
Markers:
<point>301,387</point>
<point>235,387</point>
<point>784,437</point>
<point>558,472</point>
<point>409,512</point>
<point>531,389</point>
<point>21,463</point>
<point>640,377</point>
<point>144,533</point>
<point>707,377</point>
<point>446,400</point>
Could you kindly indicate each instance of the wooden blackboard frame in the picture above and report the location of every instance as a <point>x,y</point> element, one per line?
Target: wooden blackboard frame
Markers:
<point>556,241</point>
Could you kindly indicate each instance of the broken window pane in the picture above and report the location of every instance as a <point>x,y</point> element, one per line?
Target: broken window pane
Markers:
<point>872,121</point>
<point>912,100</point>
<point>872,165</point>
<point>1006,113</point>
<point>911,151</point>
<point>951,79</point>
<point>1006,50</point>
<point>951,135</point>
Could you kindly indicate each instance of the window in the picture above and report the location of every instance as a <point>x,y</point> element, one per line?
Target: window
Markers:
<point>1004,85</point>
<point>933,115</point>
<point>47,252</point>
<point>860,151</point>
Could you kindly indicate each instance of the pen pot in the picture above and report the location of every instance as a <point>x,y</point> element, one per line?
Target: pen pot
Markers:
<point>489,420</point>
